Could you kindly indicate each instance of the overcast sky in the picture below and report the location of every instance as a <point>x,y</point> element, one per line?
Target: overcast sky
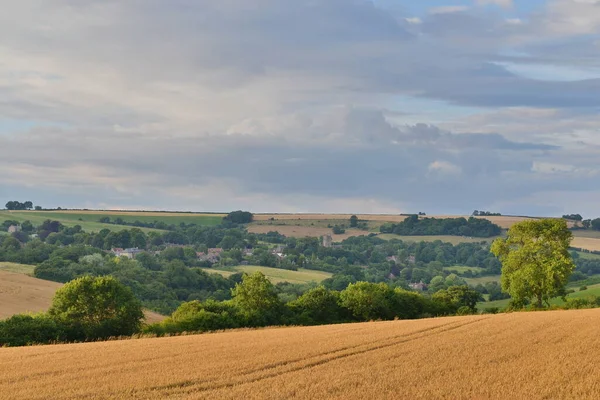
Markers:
<point>441,106</point>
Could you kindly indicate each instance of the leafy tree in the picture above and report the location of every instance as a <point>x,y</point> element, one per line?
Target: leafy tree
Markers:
<point>27,227</point>
<point>256,297</point>
<point>536,263</point>
<point>318,306</point>
<point>456,297</point>
<point>338,230</point>
<point>369,301</point>
<point>595,224</point>
<point>239,217</point>
<point>100,307</point>
<point>573,217</point>
<point>353,221</point>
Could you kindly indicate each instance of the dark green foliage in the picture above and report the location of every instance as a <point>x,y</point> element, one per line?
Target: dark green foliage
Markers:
<point>412,225</point>
<point>318,306</point>
<point>257,301</point>
<point>239,217</point>
<point>99,307</point>
<point>573,217</point>
<point>16,205</point>
<point>23,330</point>
<point>353,221</point>
<point>456,297</point>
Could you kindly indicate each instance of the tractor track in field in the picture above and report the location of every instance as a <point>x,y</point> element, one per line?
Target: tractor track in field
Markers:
<point>290,366</point>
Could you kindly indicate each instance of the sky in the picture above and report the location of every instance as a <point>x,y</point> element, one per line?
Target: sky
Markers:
<point>349,106</point>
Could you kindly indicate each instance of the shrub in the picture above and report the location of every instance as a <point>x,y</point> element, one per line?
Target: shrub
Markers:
<point>23,330</point>
<point>491,310</point>
<point>583,288</point>
<point>464,310</point>
<point>98,307</point>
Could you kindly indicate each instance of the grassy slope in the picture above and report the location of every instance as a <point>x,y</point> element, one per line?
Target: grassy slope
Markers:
<point>541,355</point>
<point>17,268</point>
<point>89,219</point>
<point>276,275</point>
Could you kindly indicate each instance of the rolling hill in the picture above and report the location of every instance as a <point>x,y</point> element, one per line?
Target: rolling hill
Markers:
<point>89,219</point>
<point>542,355</point>
<point>20,293</point>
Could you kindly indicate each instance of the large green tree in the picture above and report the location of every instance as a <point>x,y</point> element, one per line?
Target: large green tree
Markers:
<point>99,307</point>
<point>257,300</point>
<point>536,263</point>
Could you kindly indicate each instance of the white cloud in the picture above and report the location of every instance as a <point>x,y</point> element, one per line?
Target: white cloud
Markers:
<point>447,9</point>
<point>445,168</point>
<point>501,3</point>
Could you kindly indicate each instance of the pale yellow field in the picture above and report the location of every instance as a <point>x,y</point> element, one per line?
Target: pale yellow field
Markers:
<point>586,243</point>
<point>303,231</point>
<point>543,355</point>
<point>140,213</point>
<point>20,293</point>
<point>504,222</point>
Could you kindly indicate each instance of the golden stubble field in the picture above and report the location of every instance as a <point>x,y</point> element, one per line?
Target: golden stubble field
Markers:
<point>20,294</point>
<point>504,222</point>
<point>544,355</point>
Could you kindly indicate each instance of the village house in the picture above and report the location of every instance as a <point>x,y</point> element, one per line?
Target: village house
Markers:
<point>14,229</point>
<point>421,287</point>
<point>212,255</point>
<point>327,240</point>
<point>129,253</point>
<point>392,258</point>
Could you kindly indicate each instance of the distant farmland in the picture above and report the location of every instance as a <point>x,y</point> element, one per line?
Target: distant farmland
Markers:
<point>275,275</point>
<point>89,220</point>
<point>541,355</point>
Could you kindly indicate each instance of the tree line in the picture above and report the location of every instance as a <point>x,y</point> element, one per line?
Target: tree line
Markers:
<point>414,226</point>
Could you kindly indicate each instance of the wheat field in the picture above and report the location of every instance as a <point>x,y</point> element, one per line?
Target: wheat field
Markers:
<point>543,355</point>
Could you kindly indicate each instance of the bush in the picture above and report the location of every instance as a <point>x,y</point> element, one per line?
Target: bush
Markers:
<point>23,330</point>
<point>583,288</point>
<point>464,310</point>
<point>318,306</point>
<point>491,310</point>
<point>98,307</point>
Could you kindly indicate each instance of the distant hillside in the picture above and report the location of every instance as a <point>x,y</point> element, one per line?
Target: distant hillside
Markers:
<point>20,293</point>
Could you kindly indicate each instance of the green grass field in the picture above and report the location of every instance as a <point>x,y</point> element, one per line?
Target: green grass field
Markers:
<point>17,268</point>
<point>586,234</point>
<point>89,219</point>
<point>444,238</point>
<point>482,280</point>
<point>462,269</point>
<point>588,256</point>
<point>592,290</point>
<point>275,275</point>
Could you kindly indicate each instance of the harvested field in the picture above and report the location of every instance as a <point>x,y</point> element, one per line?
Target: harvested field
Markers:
<point>304,231</point>
<point>366,217</point>
<point>432,238</point>
<point>586,243</point>
<point>504,222</point>
<point>20,293</point>
<point>275,275</point>
<point>543,355</point>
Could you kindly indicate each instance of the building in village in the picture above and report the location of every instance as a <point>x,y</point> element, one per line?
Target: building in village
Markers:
<point>421,287</point>
<point>129,253</point>
<point>14,229</point>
